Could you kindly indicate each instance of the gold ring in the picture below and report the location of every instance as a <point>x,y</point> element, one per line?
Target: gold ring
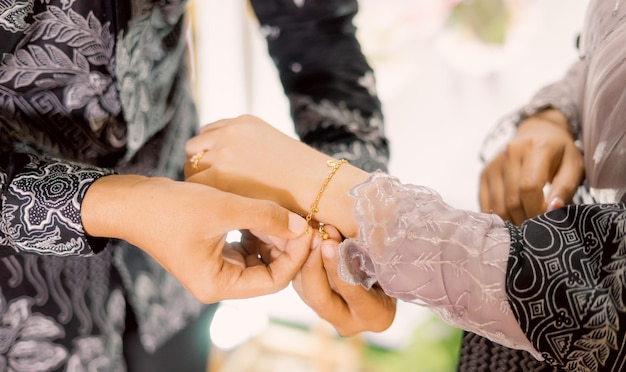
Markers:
<point>195,159</point>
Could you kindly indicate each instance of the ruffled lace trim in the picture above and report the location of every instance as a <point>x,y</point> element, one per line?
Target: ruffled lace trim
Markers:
<point>421,250</point>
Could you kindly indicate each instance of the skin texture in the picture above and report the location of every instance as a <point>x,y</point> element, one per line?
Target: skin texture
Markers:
<point>349,308</point>
<point>541,152</point>
<point>291,173</point>
<point>183,227</point>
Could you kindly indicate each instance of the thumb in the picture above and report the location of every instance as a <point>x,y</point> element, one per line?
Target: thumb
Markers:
<point>267,218</point>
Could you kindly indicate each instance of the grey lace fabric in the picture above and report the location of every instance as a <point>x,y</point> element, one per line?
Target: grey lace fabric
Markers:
<point>421,250</point>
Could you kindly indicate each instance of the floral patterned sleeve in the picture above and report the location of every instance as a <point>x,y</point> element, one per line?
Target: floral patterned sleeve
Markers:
<point>330,86</point>
<point>40,206</point>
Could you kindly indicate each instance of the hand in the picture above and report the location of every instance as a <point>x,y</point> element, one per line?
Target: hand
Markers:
<point>349,308</point>
<point>542,151</point>
<point>247,156</point>
<point>183,227</point>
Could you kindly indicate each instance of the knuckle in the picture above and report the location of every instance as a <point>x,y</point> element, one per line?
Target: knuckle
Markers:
<point>529,186</point>
<point>347,331</point>
<point>268,213</point>
<point>515,147</point>
<point>245,117</point>
<point>279,285</point>
<point>512,202</point>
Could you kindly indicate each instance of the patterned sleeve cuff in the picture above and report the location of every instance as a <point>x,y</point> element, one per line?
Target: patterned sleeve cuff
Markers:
<point>562,96</point>
<point>565,284</point>
<point>41,204</point>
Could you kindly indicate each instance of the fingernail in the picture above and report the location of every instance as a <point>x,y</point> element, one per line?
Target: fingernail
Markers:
<point>296,223</point>
<point>328,250</point>
<point>555,203</point>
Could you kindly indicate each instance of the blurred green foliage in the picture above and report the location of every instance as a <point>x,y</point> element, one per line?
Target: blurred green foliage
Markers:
<point>434,347</point>
<point>487,20</point>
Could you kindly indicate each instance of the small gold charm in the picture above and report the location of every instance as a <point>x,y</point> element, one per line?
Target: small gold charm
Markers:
<point>323,232</point>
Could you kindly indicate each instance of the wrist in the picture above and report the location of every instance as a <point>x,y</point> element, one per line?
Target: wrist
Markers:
<point>110,205</point>
<point>554,117</point>
<point>335,205</point>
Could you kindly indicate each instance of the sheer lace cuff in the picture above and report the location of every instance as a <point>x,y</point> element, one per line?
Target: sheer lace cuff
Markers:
<point>421,250</point>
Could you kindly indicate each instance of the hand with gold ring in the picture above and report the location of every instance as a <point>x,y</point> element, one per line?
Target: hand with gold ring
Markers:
<point>195,159</point>
<point>249,157</point>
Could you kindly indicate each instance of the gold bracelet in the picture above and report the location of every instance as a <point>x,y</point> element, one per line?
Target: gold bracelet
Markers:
<point>334,165</point>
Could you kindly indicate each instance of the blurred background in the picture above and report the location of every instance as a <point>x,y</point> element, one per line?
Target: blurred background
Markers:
<point>446,71</point>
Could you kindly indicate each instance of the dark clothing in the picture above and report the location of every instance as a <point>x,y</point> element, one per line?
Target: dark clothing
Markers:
<point>90,88</point>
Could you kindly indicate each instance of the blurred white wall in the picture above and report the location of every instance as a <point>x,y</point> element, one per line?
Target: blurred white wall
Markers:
<point>441,95</point>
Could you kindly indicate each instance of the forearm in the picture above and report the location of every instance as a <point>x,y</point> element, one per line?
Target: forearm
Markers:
<point>109,205</point>
<point>288,171</point>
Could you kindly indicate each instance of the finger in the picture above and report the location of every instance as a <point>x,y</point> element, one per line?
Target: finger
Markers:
<point>313,286</point>
<point>566,180</point>
<point>194,157</point>
<point>262,245</point>
<point>262,216</point>
<point>234,257</point>
<point>215,125</point>
<point>255,251</point>
<point>535,173</point>
<point>512,166</point>
<point>249,242</point>
<point>312,277</point>
<point>199,142</point>
<point>262,280</point>
<point>493,191</point>
<point>312,272</point>
<point>287,263</point>
<point>484,194</point>
<point>270,240</point>
<point>359,300</point>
